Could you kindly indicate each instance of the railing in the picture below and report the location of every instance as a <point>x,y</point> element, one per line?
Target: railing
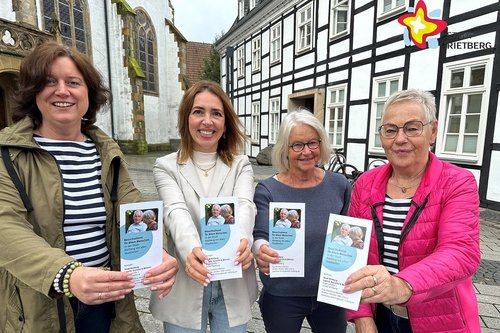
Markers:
<point>20,40</point>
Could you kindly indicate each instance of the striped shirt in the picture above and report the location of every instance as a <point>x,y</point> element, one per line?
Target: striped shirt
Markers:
<point>84,211</point>
<point>394,214</point>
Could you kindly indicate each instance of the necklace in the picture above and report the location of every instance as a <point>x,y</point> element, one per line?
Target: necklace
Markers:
<point>205,171</point>
<point>405,188</point>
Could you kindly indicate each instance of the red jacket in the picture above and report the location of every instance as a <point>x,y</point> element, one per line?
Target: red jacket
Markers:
<point>439,249</point>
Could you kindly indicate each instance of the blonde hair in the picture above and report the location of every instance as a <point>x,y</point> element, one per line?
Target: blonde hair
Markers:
<point>302,116</point>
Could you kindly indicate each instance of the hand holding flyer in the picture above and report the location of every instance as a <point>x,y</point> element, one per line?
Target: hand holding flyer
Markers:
<point>141,238</point>
<point>346,250</point>
<point>287,237</point>
<point>220,236</point>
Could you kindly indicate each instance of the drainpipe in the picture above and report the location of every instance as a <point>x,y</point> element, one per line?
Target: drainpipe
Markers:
<point>109,66</point>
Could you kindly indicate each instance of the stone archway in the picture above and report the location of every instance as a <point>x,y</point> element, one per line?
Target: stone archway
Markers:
<point>8,82</point>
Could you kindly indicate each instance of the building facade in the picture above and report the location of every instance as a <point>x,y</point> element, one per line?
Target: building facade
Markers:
<point>135,46</point>
<point>341,59</point>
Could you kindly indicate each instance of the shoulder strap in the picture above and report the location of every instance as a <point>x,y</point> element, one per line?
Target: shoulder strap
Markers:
<point>116,172</point>
<point>15,179</point>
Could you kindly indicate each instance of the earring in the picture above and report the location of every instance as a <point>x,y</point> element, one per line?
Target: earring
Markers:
<point>224,135</point>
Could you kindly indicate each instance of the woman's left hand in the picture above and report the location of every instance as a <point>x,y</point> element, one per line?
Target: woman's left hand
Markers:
<point>164,273</point>
<point>244,255</point>
<point>377,285</point>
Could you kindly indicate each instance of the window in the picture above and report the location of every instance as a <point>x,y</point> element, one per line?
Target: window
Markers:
<point>147,50</point>
<point>256,54</point>
<point>304,28</point>
<point>276,43</point>
<point>240,68</point>
<point>274,119</point>
<point>70,16</point>
<point>252,4</point>
<point>241,9</point>
<point>391,7</point>
<point>340,17</point>
<point>464,109</point>
<point>383,87</point>
<point>255,121</point>
<point>335,115</point>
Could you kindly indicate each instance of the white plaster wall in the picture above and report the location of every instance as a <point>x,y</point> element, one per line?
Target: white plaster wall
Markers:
<point>120,82</point>
<point>391,63</point>
<point>287,60</point>
<point>100,57</point>
<point>496,135</point>
<point>6,11</point>
<point>339,48</point>
<point>288,34</point>
<point>323,10</point>
<point>390,29</point>
<point>360,82</point>
<point>425,59</point>
<point>463,6</point>
<point>356,154</point>
<point>322,45</point>
<point>358,115</point>
<point>360,35</point>
<point>493,192</point>
<point>304,60</point>
<point>360,3</point>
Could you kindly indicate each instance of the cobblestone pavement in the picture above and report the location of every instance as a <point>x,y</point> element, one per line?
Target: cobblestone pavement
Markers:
<point>486,280</point>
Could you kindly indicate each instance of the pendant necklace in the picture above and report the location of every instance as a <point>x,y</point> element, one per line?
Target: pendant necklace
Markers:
<point>405,188</point>
<point>205,171</point>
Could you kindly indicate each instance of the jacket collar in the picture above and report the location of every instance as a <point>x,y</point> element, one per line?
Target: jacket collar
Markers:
<point>429,178</point>
<point>20,135</point>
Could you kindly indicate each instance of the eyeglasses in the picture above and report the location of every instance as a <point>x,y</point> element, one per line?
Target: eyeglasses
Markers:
<point>410,129</point>
<point>299,146</point>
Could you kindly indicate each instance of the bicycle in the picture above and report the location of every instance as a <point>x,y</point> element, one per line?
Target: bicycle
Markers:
<point>376,163</point>
<point>338,164</point>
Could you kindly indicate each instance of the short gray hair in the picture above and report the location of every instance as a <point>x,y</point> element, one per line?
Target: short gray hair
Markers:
<point>293,213</point>
<point>226,209</point>
<point>302,116</point>
<point>356,231</point>
<point>149,214</point>
<point>424,98</point>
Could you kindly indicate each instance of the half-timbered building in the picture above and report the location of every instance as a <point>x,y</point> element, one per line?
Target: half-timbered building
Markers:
<point>341,59</point>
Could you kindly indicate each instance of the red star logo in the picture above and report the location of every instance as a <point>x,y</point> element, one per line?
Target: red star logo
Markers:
<point>421,26</point>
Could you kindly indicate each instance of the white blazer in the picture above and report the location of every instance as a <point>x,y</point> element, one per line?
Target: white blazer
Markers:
<point>180,189</point>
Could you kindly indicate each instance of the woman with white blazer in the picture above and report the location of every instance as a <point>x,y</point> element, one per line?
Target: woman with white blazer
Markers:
<point>206,165</point>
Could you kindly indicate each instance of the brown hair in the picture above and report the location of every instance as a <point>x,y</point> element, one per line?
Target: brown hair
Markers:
<point>233,138</point>
<point>33,74</point>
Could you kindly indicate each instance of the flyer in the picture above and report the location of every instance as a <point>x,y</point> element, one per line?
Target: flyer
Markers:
<point>346,250</point>
<point>220,236</point>
<point>287,237</point>
<point>141,238</point>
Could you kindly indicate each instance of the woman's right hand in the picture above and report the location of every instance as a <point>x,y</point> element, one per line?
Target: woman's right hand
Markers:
<point>365,325</point>
<point>92,285</point>
<point>195,269</point>
<point>264,256</point>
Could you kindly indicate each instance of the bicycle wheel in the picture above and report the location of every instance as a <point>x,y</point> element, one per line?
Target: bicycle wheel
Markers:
<point>376,163</point>
<point>332,163</point>
<point>349,171</point>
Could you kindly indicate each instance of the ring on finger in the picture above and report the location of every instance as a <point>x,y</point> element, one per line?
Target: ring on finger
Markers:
<point>374,291</point>
<point>99,296</point>
<point>375,281</point>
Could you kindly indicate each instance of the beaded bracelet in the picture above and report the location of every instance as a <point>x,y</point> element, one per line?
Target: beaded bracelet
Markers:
<point>57,280</point>
<point>67,276</point>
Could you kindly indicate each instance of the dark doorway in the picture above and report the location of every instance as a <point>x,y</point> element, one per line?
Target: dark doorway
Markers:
<point>3,113</point>
<point>309,103</point>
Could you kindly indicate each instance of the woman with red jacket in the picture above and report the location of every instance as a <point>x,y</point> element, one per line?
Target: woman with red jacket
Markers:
<point>424,245</point>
